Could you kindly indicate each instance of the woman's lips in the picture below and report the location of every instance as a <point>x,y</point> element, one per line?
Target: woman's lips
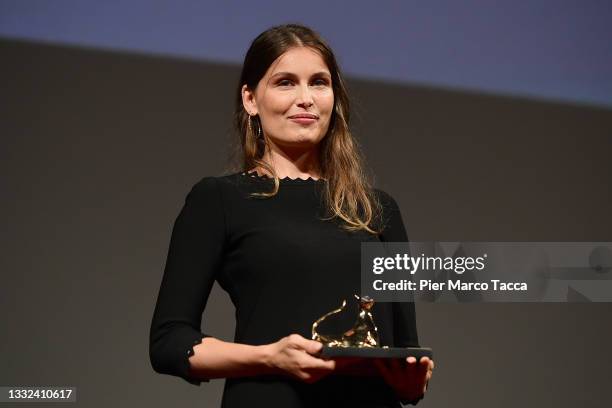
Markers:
<point>304,121</point>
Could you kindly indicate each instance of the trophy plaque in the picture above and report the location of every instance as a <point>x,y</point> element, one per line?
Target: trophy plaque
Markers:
<point>362,339</point>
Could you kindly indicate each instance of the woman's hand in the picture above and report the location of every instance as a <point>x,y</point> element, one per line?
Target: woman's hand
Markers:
<point>293,356</point>
<point>408,379</point>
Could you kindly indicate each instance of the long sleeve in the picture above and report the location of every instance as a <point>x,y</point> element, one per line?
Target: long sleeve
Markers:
<point>404,316</point>
<point>194,255</point>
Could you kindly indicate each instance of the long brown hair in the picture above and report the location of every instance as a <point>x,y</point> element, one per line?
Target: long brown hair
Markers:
<point>348,194</point>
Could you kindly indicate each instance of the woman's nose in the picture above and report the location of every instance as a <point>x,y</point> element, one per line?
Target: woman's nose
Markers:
<point>304,96</point>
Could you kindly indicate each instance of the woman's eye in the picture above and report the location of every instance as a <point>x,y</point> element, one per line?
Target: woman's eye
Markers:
<point>317,82</point>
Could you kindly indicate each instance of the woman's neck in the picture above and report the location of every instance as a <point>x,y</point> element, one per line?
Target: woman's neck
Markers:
<point>292,163</point>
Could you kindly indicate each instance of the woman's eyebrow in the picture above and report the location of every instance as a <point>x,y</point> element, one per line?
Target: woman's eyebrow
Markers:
<point>291,74</point>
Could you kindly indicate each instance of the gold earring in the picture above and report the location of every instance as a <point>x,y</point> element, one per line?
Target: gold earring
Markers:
<point>250,128</point>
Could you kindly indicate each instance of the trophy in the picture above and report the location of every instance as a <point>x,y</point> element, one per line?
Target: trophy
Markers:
<point>362,339</point>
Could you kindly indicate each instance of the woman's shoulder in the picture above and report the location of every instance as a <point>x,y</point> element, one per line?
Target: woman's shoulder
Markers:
<point>216,181</point>
<point>224,184</point>
<point>384,198</point>
<point>392,221</point>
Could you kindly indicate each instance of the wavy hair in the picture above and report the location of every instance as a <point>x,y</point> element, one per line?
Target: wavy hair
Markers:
<point>348,195</point>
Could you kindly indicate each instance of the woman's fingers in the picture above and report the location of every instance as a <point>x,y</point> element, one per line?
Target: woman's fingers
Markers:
<point>424,362</point>
<point>319,363</point>
<point>423,367</point>
<point>426,368</point>
<point>309,346</point>
<point>307,360</point>
<point>394,371</point>
<point>429,368</point>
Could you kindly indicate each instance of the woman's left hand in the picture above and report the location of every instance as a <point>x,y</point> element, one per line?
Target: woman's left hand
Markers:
<point>408,378</point>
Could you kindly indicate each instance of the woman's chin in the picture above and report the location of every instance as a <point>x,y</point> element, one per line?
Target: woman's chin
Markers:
<point>299,142</point>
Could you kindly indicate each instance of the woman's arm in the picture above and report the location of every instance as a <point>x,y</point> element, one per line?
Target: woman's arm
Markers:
<point>404,316</point>
<point>177,346</point>
<point>195,254</point>
<point>292,356</point>
<point>409,378</point>
<point>214,358</point>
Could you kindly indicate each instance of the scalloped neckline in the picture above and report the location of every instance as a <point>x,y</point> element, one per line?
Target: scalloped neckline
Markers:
<point>284,180</point>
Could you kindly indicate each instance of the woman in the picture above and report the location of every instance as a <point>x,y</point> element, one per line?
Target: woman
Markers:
<point>282,237</point>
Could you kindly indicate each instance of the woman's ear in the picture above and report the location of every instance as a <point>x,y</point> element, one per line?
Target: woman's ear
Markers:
<point>248,100</point>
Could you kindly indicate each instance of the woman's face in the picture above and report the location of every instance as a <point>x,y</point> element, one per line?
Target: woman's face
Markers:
<point>297,82</point>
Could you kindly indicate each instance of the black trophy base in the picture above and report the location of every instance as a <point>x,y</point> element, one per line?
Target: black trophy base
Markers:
<point>377,352</point>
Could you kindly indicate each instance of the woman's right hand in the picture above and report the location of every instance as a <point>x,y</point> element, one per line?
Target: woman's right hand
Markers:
<point>294,356</point>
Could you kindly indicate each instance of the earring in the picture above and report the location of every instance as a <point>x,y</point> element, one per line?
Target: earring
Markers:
<point>250,128</point>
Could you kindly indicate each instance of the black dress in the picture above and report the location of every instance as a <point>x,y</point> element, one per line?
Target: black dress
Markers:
<point>283,268</point>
